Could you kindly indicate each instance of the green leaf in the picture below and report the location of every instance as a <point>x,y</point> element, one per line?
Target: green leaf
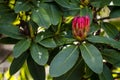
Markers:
<point>75,1</point>
<point>11,31</point>
<point>64,61</point>
<point>43,35</point>
<point>94,28</point>
<point>48,0</point>
<point>116,24</point>
<point>106,74</point>
<point>22,5</point>
<point>86,11</point>
<point>21,47</point>
<point>53,13</point>
<point>41,17</point>
<point>8,40</point>
<point>112,56</point>
<point>66,4</point>
<point>49,43</point>
<point>71,11</point>
<point>7,15</point>
<point>60,40</point>
<point>100,3</point>
<point>115,12</point>
<point>17,63</point>
<point>110,29</point>
<point>92,57</point>
<point>104,40</point>
<point>76,72</point>
<point>37,71</point>
<point>116,2</point>
<point>39,54</point>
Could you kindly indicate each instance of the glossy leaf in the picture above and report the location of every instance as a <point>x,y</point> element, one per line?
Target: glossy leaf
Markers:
<point>41,17</point>
<point>100,3</point>
<point>64,61</point>
<point>106,74</point>
<point>53,13</point>
<point>17,63</point>
<point>111,56</point>
<point>49,43</point>
<point>110,29</point>
<point>39,54</point>
<point>60,40</point>
<point>104,40</point>
<point>92,57</point>
<point>43,35</point>
<point>11,31</point>
<point>76,72</point>
<point>21,47</point>
<point>22,5</point>
<point>65,3</point>
<point>37,71</point>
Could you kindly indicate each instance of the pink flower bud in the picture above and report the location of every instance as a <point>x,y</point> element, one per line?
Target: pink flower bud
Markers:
<point>80,27</point>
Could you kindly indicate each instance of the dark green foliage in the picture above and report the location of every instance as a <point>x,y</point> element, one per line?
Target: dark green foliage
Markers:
<point>37,71</point>
<point>106,74</point>
<point>17,63</point>
<point>41,31</point>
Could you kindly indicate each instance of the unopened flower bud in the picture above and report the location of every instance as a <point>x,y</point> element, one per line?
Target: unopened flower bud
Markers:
<point>80,27</point>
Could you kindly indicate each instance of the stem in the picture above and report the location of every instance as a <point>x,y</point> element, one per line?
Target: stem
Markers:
<point>31,31</point>
<point>59,25</point>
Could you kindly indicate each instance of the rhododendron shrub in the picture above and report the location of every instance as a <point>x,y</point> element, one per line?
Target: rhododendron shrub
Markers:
<point>72,39</point>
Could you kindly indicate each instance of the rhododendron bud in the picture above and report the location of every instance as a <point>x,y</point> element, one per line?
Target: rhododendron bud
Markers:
<point>80,27</point>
